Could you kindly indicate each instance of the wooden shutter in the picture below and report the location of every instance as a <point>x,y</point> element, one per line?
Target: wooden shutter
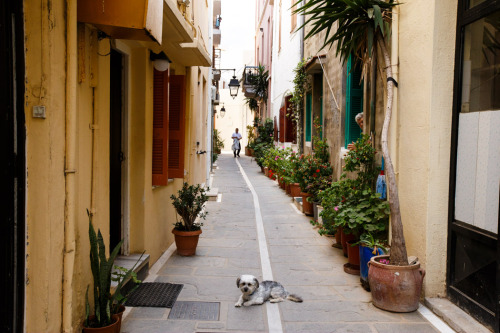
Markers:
<point>290,128</point>
<point>354,101</point>
<point>275,129</point>
<point>160,128</point>
<point>282,129</point>
<point>177,116</point>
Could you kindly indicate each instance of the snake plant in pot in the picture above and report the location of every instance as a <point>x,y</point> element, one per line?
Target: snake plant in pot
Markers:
<point>188,206</point>
<point>101,272</point>
<point>356,27</point>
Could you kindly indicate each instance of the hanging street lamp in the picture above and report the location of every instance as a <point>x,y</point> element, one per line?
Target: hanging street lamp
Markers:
<point>222,111</point>
<point>234,84</point>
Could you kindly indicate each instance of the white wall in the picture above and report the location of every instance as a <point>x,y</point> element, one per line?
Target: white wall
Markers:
<point>284,60</point>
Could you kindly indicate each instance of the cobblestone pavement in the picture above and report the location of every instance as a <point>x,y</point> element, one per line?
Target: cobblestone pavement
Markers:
<point>302,260</point>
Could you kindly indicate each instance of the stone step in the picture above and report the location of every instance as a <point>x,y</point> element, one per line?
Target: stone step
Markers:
<point>128,262</point>
<point>212,194</point>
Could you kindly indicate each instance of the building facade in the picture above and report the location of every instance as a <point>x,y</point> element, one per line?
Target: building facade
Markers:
<point>105,132</point>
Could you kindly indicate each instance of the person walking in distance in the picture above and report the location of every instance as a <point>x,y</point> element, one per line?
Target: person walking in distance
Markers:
<point>236,143</point>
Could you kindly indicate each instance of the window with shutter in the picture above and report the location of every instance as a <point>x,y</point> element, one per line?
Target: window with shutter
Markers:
<point>275,137</point>
<point>160,128</point>
<point>308,120</point>
<point>282,124</point>
<point>354,101</point>
<point>176,126</point>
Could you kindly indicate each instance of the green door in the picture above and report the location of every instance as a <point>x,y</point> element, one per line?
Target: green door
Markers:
<point>354,101</point>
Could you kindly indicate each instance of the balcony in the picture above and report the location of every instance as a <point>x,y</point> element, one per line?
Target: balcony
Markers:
<point>248,88</point>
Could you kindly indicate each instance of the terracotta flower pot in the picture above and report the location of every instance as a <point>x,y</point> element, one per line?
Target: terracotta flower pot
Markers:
<point>395,288</point>
<point>295,190</point>
<point>186,241</point>
<point>338,239</point>
<point>352,267</point>
<point>282,183</point>
<point>247,151</point>
<point>120,312</point>
<point>344,238</point>
<point>113,328</point>
<point>266,171</point>
<point>251,151</point>
<point>307,207</point>
<point>288,189</point>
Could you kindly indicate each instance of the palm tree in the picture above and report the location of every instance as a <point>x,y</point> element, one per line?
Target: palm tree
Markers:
<point>353,26</point>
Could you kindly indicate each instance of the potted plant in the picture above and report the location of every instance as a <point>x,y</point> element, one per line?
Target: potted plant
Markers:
<point>369,246</point>
<point>188,205</point>
<point>362,24</point>
<point>218,142</point>
<point>251,138</point>
<point>102,320</point>
<point>122,276</point>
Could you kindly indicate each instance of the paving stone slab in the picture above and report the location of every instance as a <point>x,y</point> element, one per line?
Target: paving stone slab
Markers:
<point>246,318</point>
<point>328,327</point>
<point>157,326</point>
<point>405,327</point>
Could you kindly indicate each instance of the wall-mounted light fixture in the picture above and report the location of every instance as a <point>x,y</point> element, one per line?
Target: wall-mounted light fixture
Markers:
<point>234,84</point>
<point>160,61</point>
<point>222,111</point>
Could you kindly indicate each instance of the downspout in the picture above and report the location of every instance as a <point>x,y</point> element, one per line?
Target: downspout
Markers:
<point>373,97</point>
<point>70,168</point>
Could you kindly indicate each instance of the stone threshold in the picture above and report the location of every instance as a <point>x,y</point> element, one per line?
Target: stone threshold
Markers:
<point>456,318</point>
<point>128,262</point>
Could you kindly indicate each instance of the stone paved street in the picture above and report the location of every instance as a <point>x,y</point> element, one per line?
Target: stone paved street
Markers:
<point>302,260</point>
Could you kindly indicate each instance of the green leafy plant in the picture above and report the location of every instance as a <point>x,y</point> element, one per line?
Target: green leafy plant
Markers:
<point>300,85</point>
<point>260,82</point>
<point>252,103</point>
<point>122,275</point>
<point>101,274</point>
<point>218,142</point>
<point>368,240</point>
<point>250,136</point>
<point>354,26</point>
<point>188,205</point>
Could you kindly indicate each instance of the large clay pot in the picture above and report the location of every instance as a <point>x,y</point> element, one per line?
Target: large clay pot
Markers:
<point>266,171</point>
<point>186,241</point>
<point>344,238</point>
<point>251,151</point>
<point>282,183</point>
<point>120,312</point>
<point>288,189</point>
<point>294,190</point>
<point>395,288</point>
<point>113,328</point>
<point>365,254</point>
<point>247,151</point>
<point>307,207</point>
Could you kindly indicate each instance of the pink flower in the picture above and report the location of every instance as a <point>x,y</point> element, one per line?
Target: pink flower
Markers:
<point>276,158</point>
<point>336,208</point>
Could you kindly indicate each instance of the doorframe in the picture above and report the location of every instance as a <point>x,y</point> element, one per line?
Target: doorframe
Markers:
<point>464,17</point>
<point>121,47</point>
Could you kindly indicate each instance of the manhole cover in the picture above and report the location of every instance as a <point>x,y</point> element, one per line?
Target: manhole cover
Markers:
<point>208,311</point>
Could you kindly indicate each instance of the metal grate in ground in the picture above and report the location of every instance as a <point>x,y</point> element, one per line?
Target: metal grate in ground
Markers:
<point>155,294</point>
<point>208,311</point>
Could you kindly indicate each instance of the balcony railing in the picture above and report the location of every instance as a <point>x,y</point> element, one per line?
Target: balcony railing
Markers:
<point>248,74</point>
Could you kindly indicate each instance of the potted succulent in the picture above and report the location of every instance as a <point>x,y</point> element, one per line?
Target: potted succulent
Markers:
<point>369,246</point>
<point>188,206</point>
<point>102,320</point>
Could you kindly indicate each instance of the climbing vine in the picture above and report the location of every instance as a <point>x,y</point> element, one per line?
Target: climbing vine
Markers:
<point>300,85</point>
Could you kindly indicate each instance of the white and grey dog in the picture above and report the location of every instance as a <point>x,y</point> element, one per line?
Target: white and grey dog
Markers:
<point>255,293</point>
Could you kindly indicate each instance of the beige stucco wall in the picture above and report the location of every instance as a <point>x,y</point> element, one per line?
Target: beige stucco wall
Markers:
<point>148,214</point>
<point>45,85</point>
<point>420,132</point>
<point>423,127</point>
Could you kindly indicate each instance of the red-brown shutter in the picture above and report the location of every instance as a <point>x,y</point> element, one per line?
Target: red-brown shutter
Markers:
<point>291,130</point>
<point>282,124</point>
<point>160,128</point>
<point>177,115</point>
<point>275,129</point>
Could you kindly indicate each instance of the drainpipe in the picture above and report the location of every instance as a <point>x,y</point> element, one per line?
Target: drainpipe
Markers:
<point>373,97</point>
<point>70,167</point>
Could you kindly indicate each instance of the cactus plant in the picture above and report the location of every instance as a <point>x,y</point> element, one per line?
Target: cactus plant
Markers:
<point>101,273</point>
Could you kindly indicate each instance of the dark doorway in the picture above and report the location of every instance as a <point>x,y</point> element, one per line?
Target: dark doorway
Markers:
<point>116,156</point>
<point>13,168</point>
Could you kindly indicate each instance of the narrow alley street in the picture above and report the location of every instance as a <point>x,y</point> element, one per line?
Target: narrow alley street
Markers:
<point>288,250</point>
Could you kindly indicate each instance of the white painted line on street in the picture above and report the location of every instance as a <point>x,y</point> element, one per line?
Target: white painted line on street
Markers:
<point>273,313</point>
<point>435,321</point>
<point>219,197</point>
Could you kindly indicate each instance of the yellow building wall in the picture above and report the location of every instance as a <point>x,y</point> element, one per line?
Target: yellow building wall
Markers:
<point>148,210</point>
<point>45,146</point>
<point>422,126</point>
